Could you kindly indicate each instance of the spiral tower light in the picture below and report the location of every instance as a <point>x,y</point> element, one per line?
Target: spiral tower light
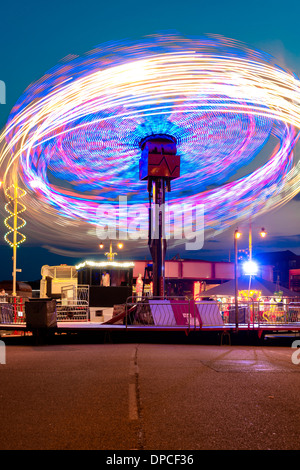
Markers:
<point>74,136</point>
<point>14,223</point>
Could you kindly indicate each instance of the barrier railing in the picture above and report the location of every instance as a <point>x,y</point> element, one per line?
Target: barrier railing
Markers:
<point>72,311</point>
<point>183,312</point>
<point>74,307</point>
<point>12,310</point>
<point>159,311</point>
<point>171,312</point>
<point>276,313</point>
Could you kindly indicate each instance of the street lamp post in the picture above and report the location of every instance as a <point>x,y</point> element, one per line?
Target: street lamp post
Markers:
<point>262,233</point>
<point>110,254</point>
<point>250,264</point>
<point>237,235</point>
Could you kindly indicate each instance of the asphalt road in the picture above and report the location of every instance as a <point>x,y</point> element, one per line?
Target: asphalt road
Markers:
<point>149,397</point>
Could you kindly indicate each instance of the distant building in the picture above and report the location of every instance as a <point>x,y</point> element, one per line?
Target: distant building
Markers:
<point>282,262</point>
<point>184,276</point>
<point>294,280</point>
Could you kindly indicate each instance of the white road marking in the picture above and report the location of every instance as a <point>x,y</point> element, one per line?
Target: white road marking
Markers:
<point>132,395</point>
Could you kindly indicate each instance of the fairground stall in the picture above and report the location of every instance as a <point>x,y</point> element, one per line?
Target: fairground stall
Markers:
<point>110,284</point>
<point>259,301</point>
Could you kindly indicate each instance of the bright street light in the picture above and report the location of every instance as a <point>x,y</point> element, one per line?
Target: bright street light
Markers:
<point>237,234</point>
<point>263,233</point>
<point>250,268</point>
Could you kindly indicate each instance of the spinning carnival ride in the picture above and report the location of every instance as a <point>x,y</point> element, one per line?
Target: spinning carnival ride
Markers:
<point>76,136</point>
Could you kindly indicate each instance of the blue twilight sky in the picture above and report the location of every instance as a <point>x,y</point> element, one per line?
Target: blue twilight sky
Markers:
<point>35,35</point>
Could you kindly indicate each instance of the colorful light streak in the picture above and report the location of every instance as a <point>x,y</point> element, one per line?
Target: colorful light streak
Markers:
<point>73,137</point>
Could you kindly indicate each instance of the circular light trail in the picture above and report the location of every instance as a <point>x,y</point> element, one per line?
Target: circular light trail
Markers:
<point>73,136</point>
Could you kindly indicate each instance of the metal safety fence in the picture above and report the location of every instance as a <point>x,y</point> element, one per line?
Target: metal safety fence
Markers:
<point>190,313</point>
<point>172,312</point>
<point>167,311</point>
<point>12,310</point>
<point>74,303</point>
<point>73,306</point>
